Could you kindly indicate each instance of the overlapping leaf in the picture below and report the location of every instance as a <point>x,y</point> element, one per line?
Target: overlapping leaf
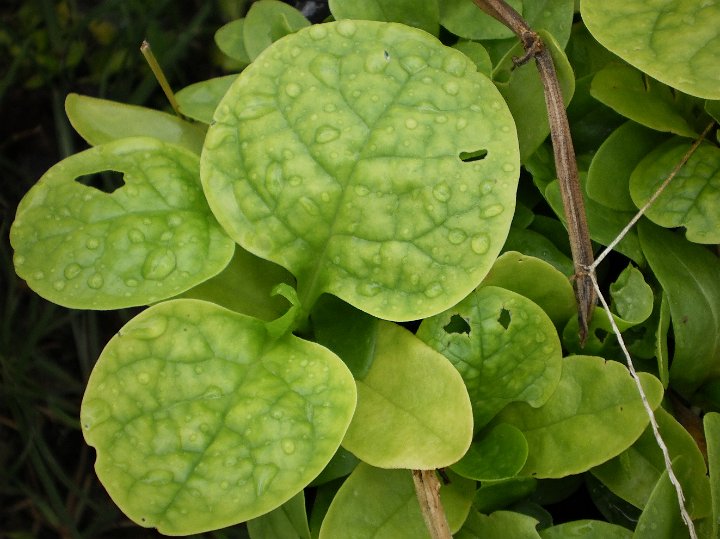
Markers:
<point>424,15</point>
<point>199,101</point>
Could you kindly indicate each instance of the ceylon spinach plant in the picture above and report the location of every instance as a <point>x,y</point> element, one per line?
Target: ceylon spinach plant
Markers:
<point>361,174</point>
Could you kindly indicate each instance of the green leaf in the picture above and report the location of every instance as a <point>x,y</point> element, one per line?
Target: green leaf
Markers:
<point>494,495</point>
<point>246,286</point>
<point>99,121</point>
<point>199,101</point>
<point>425,412</point>
<point>594,415</point>
<point>341,465</point>
<point>632,297</point>
<point>661,517</point>
<point>713,109</point>
<point>711,422</point>
<point>553,16</point>
<point>632,475</point>
<point>150,239</point>
<point>535,244</point>
<point>288,521</point>
<point>477,53</point>
<point>523,90</point>
<point>499,525</point>
<point>661,341</point>
<point>424,15</point>
<point>586,529</point>
<point>608,177</point>
<point>499,454</point>
<point>266,22</point>
<point>355,183</point>
<point>690,276</point>
<point>375,503</point>
<point>638,97</point>
<point>522,274</point>
<point>504,346</point>
<point>674,41</point>
<point>201,420</point>
<point>466,20</point>
<point>230,39</point>
<point>691,199</point>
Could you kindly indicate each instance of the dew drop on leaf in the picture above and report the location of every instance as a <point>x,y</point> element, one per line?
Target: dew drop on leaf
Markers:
<point>456,236</point>
<point>136,236</point>
<point>159,264</point>
<point>346,28</point>
<point>325,134</point>
<point>480,244</point>
<point>451,88</point>
<point>95,281</point>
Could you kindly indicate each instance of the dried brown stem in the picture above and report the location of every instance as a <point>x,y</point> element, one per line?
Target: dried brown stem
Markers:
<point>427,488</point>
<point>565,164</point>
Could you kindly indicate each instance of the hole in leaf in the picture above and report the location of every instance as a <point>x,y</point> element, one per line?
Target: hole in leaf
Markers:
<point>457,324</point>
<point>504,318</point>
<point>107,181</point>
<point>601,334</point>
<point>471,157</point>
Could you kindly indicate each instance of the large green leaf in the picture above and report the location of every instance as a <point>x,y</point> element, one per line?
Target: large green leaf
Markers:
<point>413,409</point>
<point>504,346</point>
<point>150,239</point>
<point>339,155</point>
<point>424,15</point>
<point>99,121</point>
<point>691,199</point>
<point>594,415</point>
<point>674,41</point>
<point>201,419</point>
<point>690,276</point>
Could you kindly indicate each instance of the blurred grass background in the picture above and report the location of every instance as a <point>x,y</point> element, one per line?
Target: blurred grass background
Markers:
<point>49,48</point>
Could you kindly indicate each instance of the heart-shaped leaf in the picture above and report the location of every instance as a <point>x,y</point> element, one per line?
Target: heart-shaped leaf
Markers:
<point>413,409</point>
<point>201,419</point>
<point>504,346</point>
<point>150,239</point>
<point>371,161</point>
<point>674,41</point>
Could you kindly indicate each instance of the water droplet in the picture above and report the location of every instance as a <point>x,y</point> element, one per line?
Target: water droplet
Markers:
<point>295,181</point>
<point>94,412</point>
<point>369,289</point>
<point>451,87</point>
<point>213,392</point>
<point>492,211</point>
<point>346,28</point>
<point>92,243</point>
<point>143,378</point>
<point>325,197</point>
<point>413,64</point>
<point>325,68</point>
<point>132,283</point>
<point>273,178</point>
<point>166,236</point>
<point>325,134</point>
<point>310,206</point>
<point>480,244</point>
<point>38,275</point>
<point>147,329</point>
<point>253,108</point>
<point>198,370</point>
<point>288,446</point>
<point>293,89</point>
<point>508,167</point>
<point>411,123</point>
<point>442,192</point>
<point>375,62</point>
<point>158,477</point>
<point>329,107</point>
<point>434,290</point>
<point>461,124</point>
<point>317,32</point>
<point>159,264</point>
<point>95,281</point>
<point>361,190</point>
<point>136,236</point>
<point>175,220</point>
<point>441,119</point>
<point>19,260</point>
<point>456,236</point>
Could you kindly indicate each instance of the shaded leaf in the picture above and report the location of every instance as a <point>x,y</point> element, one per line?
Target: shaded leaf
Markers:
<point>478,54</point>
<point>231,41</point>
<point>711,422</point>
<point>199,101</point>
<point>494,495</point>
<point>201,420</point>
<point>661,517</point>
<point>150,239</point>
<point>357,186</point>
<point>532,243</point>
<point>466,20</point>
<point>500,453</point>
<point>266,22</point>
<point>424,15</point>
<point>288,521</point>
<point>632,297</point>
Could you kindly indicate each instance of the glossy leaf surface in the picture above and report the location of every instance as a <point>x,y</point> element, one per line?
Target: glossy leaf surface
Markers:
<point>201,420</point>
<point>413,409</point>
<point>504,346</point>
<point>691,199</point>
<point>674,41</point>
<point>199,101</point>
<point>594,414</point>
<point>424,15</point>
<point>150,239</point>
<point>690,276</point>
<point>99,121</point>
<point>338,155</point>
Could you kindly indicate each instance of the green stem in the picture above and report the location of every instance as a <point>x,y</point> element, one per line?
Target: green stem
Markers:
<point>159,75</point>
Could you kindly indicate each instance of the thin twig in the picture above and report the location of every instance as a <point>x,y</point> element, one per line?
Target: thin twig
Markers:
<point>160,76</point>
<point>565,164</point>
<point>427,488</point>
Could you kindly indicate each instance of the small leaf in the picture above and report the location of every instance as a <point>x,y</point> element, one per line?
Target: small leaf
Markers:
<point>553,16</point>
<point>99,121</point>
<point>231,41</point>
<point>266,22</point>
<point>509,351</point>
<point>288,521</point>
<point>200,420</point>
<point>424,15</point>
<point>586,529</point>
<point>711,422</point>
<point>661,517</point>
<point>499,454</point>
<point>608,177</point>
<point>355,182</point>
<point>632,297</point>
<point>674,41</point>
<point>199,101</point>
<point>690,276</point>
<point>425,410</point>
<point>691,199</point>
<point>532,243</point>
<point>499,525</point>
<point>638,97</point>
<point>466,20</point>
<point>151,239</point>
<point>477,53</point>
<point>594,415</point>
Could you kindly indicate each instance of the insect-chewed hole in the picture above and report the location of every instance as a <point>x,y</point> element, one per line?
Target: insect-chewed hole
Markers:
<point>457,324</point>
<point>106,181</point>
<point>504,318</point>
<point>471,157</point>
